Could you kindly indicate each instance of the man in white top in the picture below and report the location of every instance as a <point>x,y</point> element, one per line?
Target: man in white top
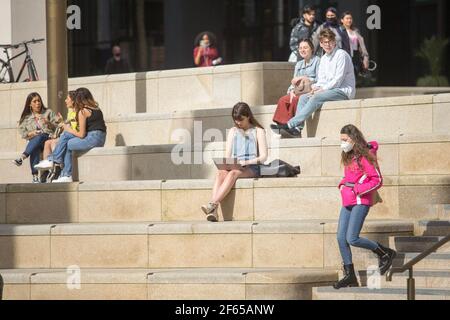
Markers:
<point>336,81</point>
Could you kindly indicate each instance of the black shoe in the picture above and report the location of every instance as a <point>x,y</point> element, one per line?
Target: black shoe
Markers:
<point>349,279</point>
<point>277,127</point>
<point>18,162</point>
<point>295,132</point>
<point>385,258</point>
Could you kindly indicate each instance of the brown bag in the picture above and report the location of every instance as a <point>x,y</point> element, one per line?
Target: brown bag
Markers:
<point>302,86</point>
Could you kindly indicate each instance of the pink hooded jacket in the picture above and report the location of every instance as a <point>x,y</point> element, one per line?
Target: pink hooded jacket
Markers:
<point>366,180</point>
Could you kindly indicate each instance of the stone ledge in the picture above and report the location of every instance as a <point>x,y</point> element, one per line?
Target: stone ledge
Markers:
<point>397,101</point>
<point>120,185</point>
<point>42,187</point>
<point>200,184</point>
<point>92,276</point>
<point>25,230</point>
<point>293,276</point>
<point>441,98</point>
<point>100,229</point>
<point>240,227</point>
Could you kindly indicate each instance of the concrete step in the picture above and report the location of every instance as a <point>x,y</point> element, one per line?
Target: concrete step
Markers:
<point>417,243</point>
<point>162,284</point>
<point>262,244</point>
<point>424,278</point>
<point>365,260</point>
<point>180,200</point>
<point>317,157</point>
<point>259,83</point>
<point>329,293</point>
<point>435,227</point>
<point>399,115</point>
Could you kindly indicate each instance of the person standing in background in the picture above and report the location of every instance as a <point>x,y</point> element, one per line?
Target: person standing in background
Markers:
<point>358,51</point>
<point>303,29</point>
<point>205,51</point>
<point>117,63</point>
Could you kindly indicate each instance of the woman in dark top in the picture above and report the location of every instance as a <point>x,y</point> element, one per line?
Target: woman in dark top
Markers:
<point>91,134</point>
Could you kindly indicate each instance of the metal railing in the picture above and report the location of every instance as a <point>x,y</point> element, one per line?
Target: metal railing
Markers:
<point>411,287</point>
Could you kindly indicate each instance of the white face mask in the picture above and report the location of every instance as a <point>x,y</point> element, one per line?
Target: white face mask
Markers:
<point>346,146</point>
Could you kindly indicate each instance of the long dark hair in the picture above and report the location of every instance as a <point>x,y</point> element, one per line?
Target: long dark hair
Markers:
<point>360,149</point>
<point>348,13</point>
<point>72,95</point>
<point>27,109</point>
<point>212,38</point>
<point>241,109</point>
<point>84,99</point>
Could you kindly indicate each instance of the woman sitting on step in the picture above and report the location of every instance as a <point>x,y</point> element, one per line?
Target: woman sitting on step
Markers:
<point>37,124</point>
<point>246,142</point>
<point>91,134</point>
<point>358,192</point>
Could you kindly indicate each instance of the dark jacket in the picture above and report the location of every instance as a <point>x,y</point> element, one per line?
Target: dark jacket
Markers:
<point>299,32</point>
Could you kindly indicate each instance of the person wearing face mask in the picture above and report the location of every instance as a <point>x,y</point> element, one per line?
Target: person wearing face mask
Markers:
<point>332,23</point>
<point>305,74</point>
<point>358,190</point>
<point>117,63</point>
<point>303,28</point>
<point>205,52</point>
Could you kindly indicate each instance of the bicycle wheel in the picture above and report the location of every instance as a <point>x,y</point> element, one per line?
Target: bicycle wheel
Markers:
<point>6,74</point>
<point>32,73</point>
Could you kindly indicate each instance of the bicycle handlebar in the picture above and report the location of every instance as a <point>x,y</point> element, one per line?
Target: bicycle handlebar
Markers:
<point>24,43</point>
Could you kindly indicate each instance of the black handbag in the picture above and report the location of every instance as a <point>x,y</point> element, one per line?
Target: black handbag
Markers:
<point>279,168</point>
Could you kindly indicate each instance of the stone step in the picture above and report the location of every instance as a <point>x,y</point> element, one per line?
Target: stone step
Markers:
<point>259,83</point>
<point>424,278</point>
<point>262,244</point>
<point>399,115</point>
<point>180,200</point>
<point>417,243</point>
<point>317,157</point>
<point>435,227</point>
<point>162,284</point>
<point>361,293</point>
<point>366,260</point>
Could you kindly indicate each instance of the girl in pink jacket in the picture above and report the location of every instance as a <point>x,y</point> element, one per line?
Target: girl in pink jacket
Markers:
<point>358,188</point>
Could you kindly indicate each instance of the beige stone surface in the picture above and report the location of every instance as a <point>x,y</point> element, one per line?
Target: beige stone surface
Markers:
<point>425,158</point>
<point>24,252</point>
<point>278,292</point>
<point>16,292</point>
<point>328,123</point>
<point>105,168</point>
<point>45,207</point>
<point>120,206</point>
<point>441,118</point>
<point>308,158</point>
<point>157,166</point>
<point>252,83</point>
<point>186,205</point>
<point>100,251</point>
<point>288,250</point>
<point>397,120</point>
<point>217,250</point>
<point>89,292</point>
<point>415,200</point>
<point>306,199</point>
<point>196,291</point>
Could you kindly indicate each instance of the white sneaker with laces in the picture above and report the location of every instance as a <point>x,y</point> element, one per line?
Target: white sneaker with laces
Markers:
<point>63,180</point>
<point>44,165</point>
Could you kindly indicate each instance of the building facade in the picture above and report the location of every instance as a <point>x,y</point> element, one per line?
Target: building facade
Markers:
<point>159,34</point>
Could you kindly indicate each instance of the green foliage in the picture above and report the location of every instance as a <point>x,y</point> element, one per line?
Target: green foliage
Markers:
<point>432,51</point>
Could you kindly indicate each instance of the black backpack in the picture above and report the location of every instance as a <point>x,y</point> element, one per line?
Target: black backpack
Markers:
<point>279,168</point>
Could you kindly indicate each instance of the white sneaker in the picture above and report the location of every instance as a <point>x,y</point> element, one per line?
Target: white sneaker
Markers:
<point>44,165</point>
<point>63,180</point>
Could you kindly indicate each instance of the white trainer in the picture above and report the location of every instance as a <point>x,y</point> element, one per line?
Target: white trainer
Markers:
<point>63,180</point>
<point>44,165</point>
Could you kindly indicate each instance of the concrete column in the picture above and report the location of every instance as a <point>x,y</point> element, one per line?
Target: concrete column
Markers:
<point>57,68</point>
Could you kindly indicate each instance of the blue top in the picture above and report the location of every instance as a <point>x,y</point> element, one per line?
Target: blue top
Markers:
<point>245,144</point>
<point>310,69</point>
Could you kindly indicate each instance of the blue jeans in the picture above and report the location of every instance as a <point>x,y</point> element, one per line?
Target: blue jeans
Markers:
<point>34,149</point>
<point>68,143</point>
<point>308,104</point>
<point>351,221</point>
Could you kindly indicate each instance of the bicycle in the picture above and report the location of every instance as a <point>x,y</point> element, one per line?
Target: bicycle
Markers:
<point>6,71</point>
